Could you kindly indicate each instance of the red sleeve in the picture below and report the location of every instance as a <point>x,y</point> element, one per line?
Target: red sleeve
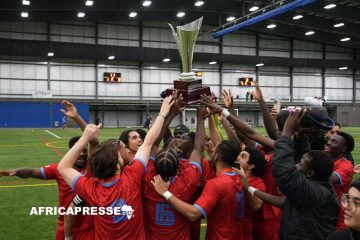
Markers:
<point>50,172</point>
<point>83,186</point>
<point>259,184</point>
<point>208,199</point>
<point>345,172</point>
<point>193,173</point>
<point>206,170</point>
<point>135,171</point>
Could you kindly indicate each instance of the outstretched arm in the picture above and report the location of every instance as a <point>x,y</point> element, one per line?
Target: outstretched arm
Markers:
<point>144,151</point>
<point>257,196</point>
<point>270,126</point>
<point>237,123</point>
<point>23,173</point>
<point>198,152</point>
<point>65,166</point>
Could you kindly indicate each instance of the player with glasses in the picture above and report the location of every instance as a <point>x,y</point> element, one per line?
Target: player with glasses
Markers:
<point>351,204</point>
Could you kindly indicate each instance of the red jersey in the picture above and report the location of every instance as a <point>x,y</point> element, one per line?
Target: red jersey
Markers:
<point>269,211</point>
<point>66,196</point>
<point>222,201</point>
<point>162,221</point>
<point>247,225</point>
<point>124,192</point>
<point>344,169</point>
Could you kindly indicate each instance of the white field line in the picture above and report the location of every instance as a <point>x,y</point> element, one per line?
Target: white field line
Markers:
<point>52,134</point>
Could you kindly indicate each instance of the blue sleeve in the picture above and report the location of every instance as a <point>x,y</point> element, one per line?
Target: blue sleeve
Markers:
<point>43,173</point>
<point>74,181</point>
<point>197,165</point>
<point>142,161</point>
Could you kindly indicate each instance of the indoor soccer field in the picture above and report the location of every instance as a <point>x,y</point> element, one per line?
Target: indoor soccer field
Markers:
<point>39,147</point>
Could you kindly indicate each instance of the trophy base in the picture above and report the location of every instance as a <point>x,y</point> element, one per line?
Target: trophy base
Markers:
<point>191,91</point>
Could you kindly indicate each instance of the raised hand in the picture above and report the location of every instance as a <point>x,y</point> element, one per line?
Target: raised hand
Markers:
<point>177,108</point>
<point>160,185</point>
<point>202,112</point>
<point>166,106</point>
<point>91,131</point>
<point>257,94</point>
<point>70,111</point>
<point>228,99</point>
<point>293,122</point>
<point>212,107</point>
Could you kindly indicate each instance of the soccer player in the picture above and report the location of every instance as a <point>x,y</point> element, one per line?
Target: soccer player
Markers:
<point>162,222</point>
<point>132,140</point>
<point>252,165</point>
<point>337,146</point>
<point>221,201</point>
<point>111,185</point>
<point>84,225</point>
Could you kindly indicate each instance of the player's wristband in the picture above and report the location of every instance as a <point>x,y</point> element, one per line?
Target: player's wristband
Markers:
<point>225,112</point>
<point>251,190</point>
<point>167,195</point>
<point>68,238</point>
<point>161,115</point>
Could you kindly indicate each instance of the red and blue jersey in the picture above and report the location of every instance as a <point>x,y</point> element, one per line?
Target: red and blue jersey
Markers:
<point>222,202</point>
<point>247,222</point>
<point>162,221</point>
<point>124,191</point>
<point>344,169</point>
<point>66,195</point>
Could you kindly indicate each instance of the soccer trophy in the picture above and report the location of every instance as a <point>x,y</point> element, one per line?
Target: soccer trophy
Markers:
<point>189,85</point>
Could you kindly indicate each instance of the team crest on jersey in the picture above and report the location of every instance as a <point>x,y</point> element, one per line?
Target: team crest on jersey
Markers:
<point>127,212</point>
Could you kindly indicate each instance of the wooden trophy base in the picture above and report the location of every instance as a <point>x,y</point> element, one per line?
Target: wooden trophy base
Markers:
<point>191,91</point>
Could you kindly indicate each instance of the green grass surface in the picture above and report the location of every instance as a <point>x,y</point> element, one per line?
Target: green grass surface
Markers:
<point>24,148</point>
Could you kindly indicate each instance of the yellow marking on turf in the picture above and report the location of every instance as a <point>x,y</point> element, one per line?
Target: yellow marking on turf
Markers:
<point>29,185</point>
<point>204,225</point>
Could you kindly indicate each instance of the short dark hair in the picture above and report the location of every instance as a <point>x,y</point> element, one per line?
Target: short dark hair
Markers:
<point>228,152</point>
<point>256,158</point>
<point>166,163</point>
<point>142,133</point>
<point>104,159</point>
<point>322,164</point>
<point>73,140</point>
<point>337,124</point>
<point>356,184</point>
<point>349,141</point>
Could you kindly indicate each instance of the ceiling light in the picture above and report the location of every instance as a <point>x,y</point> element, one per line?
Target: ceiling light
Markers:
<point>309,33</point>
<point>26,2</point>
<point>24,14</point>
<point>254,8</point>
<point>330,5</point>
<point>199,3</point>
<point>343,68</point>
<point>339,25</point>
<point>50,54</point>
<point>89,3</point>
<point>146,3</point>
<point>297,17</point>
<point>229,19</point>
<point>259,65</point>
<point>166,60</point>
<point>213,62</point>
<point>270,26</point>
<point>133,14</point>
<point>111,57</point>
<point>345,39</point>
<point>81,14</point>
<point>180,14</point>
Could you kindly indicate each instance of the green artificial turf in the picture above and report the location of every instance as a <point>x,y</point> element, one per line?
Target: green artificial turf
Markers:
<point>27,148</point>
